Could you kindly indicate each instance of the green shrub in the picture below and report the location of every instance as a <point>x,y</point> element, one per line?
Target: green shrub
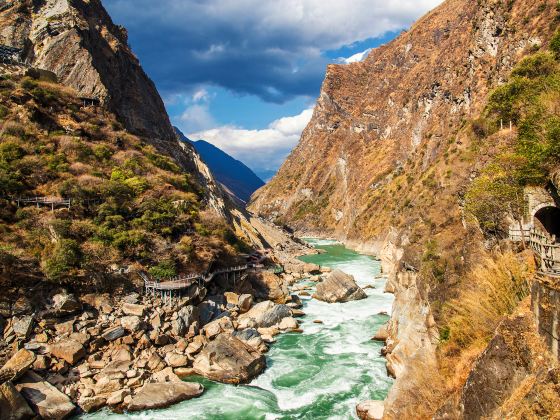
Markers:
<point>3,111</point>
<point>164,270</point>
<point>102,152</point>
<point>62,259</point>
<point>11,151</point>
<point>536,65</point>
<point>28,83</point>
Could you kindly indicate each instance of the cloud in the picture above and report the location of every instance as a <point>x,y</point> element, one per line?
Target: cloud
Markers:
<point>197,117</point>
<point>356,57</point>
<point>270,48</point>
<point>261,150</point>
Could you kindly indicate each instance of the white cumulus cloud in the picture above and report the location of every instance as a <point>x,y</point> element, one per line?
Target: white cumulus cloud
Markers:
<point>261,150</point>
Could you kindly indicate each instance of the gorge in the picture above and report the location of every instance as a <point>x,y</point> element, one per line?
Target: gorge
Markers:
<point>138,283</point>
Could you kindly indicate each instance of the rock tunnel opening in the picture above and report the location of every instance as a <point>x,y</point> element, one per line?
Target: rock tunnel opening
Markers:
<point>547,220</point>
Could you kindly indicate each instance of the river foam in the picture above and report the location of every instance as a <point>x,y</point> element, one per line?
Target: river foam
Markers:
<point>321,373</point>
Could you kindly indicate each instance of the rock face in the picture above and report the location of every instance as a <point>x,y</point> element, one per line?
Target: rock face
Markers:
<point>387,156</point>
<point>392,113</point>
<point>270,287</point>
<point>229,360</point>
<point>339,287</point>
<point>73,40</point>
<point>514,354</point>
<point>153,396</point>
<point>370,410</point>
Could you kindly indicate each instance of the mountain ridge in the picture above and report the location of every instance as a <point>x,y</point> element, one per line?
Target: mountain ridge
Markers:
<point>231,172</point>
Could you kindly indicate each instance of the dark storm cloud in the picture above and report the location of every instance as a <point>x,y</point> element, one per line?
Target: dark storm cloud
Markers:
<point>269,48</point>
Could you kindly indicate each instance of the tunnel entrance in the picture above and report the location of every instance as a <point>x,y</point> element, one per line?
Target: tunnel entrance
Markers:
<point>547,220</point>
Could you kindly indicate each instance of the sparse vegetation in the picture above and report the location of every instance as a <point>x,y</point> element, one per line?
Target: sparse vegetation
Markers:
<point>130,204</point>
<point>492,290</point>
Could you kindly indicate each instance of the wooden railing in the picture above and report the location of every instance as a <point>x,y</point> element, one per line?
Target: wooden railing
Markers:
<point>547,251</point>
<point>44,201</point>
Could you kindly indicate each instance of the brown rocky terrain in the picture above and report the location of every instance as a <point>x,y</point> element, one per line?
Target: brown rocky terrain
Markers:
<point>385,164</point>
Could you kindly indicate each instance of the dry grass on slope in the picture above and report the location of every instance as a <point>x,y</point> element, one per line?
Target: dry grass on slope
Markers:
<point>492,291</point>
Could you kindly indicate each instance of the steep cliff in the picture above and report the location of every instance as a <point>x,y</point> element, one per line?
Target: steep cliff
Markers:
<point>387,163</point>
<point>77,40</point>
<point>377,150</point>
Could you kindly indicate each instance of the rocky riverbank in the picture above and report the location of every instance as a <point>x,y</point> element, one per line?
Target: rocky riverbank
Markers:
<point>82,353</point>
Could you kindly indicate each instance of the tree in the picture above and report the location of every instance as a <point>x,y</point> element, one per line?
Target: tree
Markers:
<point>496,194</point>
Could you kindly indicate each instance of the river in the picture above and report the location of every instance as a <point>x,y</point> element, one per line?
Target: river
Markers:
<point>321,373</point>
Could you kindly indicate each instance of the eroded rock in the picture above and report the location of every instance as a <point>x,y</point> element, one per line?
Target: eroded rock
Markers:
<point>162,395</point>
<point>339,287</point>
<point>229,360</point>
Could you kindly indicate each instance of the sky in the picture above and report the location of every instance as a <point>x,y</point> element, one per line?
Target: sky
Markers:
<point>245,74</point>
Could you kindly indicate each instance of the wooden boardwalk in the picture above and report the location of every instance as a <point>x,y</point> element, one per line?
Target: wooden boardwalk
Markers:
<point>168,289</point>
<point>52,202</point>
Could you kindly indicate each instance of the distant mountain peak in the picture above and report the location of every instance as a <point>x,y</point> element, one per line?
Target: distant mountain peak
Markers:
<point>239,179</point>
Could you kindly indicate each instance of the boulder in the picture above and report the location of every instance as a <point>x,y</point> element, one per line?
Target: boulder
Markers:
<point>65,327</point>
<point>18,364</point>
<point>68,350</point>
<point>165,375</point>
<point>339,287</point>
<point>249,336</point>
<point>244,303</point>
<point>106,386</point>
<point>132,323</point>
<point>22,326</point>
<point>66,304</point>
<point>208,310</point>
<point>288,323</point>
<point>232,298</point>
<point>133,309</point>
<point>190,314</point>
<point>103,303</point>
<point>178,327</point>
<point>44,399</point>
<point>115,370</point>
<point>160,395</point>
<point>112,334</point>
<point>229,360</point>
<point>176,360</point>
<point>12,405</point>
<point>370,410</point>
<point>269,286</point>
<point>91,404</point>
<point>274,316</point>
<point>382,334</point>
<point>265,314</point>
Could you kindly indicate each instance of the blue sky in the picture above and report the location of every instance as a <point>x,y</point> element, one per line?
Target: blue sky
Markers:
<point>245,74</point>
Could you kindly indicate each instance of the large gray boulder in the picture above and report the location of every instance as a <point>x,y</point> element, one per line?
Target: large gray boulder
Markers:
<point>229,360</point>
<point>266,314</point>
<point>339,287</point>
<point>161,395</point>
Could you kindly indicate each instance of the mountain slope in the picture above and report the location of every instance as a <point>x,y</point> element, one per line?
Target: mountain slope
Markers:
<point>387,164</point>
<point>381,125</point>
<point>232,173</point>
<point>235,175</point>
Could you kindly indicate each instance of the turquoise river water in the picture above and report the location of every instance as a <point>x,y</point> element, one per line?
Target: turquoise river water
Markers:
<point>321,373</point>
